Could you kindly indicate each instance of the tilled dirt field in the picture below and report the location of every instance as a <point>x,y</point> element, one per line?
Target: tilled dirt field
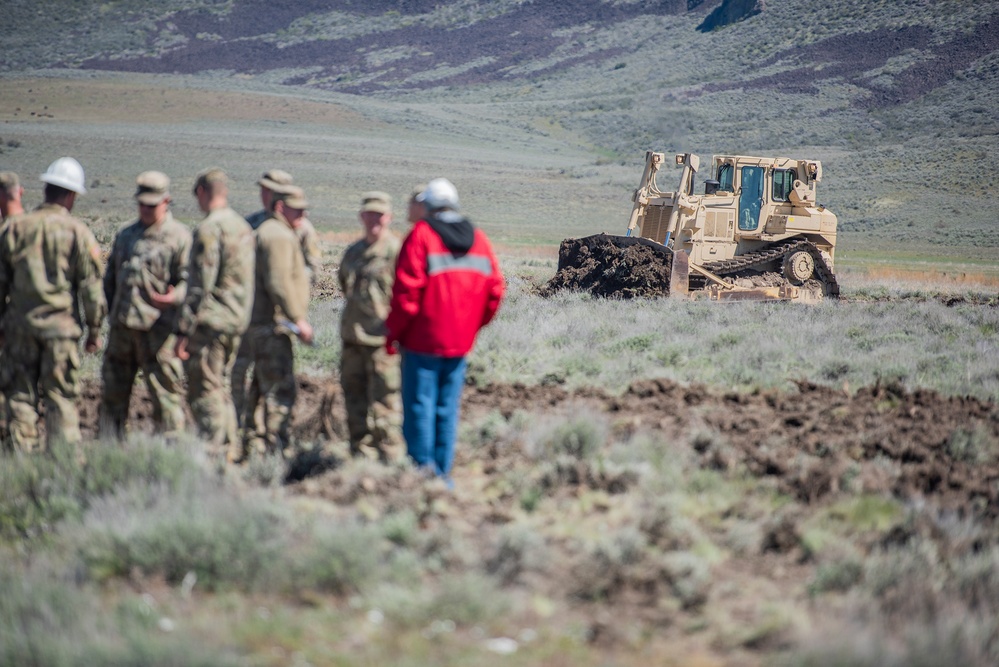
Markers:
<point>908,444</point>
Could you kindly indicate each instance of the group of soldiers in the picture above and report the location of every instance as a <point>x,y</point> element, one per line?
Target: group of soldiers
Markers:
<point>212,304</point>
<point>226,298</point>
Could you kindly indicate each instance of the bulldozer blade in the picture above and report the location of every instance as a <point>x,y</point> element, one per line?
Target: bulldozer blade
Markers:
<point>569,249</point>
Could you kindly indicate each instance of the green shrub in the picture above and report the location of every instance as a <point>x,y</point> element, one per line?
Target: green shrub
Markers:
<point>223,536</point>
<point>579,437</point>
<point>838,576</point>
<point>518,549</point>
<point>39,491</point>
<point>974,446</point>
<point>464,599</point>
<point>45,619</point>
<point>342,558</point>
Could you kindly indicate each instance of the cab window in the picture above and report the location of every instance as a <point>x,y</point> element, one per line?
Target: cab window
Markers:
<point>725,174</point>
<point>783,183</point>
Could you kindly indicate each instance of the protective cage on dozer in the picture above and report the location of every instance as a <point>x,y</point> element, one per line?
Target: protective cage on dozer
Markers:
<point>755,233</point>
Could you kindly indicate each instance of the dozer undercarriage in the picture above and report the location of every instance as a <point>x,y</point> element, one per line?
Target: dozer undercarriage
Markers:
<point>756,233</point>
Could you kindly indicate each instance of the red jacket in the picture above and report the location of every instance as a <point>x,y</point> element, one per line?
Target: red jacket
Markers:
<point>439,301</point>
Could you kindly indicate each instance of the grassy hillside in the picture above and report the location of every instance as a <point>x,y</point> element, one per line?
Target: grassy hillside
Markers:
<point>898,98</point>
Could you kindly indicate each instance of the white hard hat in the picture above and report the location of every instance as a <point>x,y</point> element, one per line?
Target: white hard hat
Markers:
<point>440,193</point>
<point>67,173</point>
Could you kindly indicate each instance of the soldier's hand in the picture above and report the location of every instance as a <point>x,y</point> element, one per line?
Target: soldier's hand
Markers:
<point>163,301</point>
<point>391,346</point>
<point>92,345</point>
<point>180,349</point>
<point>305,332</point>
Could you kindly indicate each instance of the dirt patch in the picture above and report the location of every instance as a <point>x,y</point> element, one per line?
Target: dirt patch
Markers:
<point>623,268</point>
<point>815,441</point>
<point>318,409</point>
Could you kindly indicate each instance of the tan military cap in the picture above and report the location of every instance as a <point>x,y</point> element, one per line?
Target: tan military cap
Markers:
<point>9,180</point>
<point>417,191</point>
<point>376,201</point>
<point>152,187</point>
<point>293,197</point>
<point>273,179</point>
<point>210,177</point>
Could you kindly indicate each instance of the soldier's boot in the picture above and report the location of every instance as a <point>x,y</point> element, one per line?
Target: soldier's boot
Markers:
<point>235,453</point>
<point>24,435</point>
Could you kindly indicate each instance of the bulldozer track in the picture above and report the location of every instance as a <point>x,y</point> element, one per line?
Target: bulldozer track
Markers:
<point>776,252</point>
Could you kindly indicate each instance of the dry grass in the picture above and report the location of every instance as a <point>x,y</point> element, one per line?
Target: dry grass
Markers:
<point>110,100</point>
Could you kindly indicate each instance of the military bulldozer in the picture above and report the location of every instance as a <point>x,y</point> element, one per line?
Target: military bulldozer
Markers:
<point>756,232</point>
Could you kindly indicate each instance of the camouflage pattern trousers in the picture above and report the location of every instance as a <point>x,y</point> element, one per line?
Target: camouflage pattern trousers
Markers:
<point>46,369</point>
<point>370,378</point>
<point>211,358</point>
<point>241,378</point>
<point>273,385</point>
<point>129,351</point>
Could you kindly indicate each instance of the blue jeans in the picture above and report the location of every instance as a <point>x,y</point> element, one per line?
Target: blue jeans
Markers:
<point>431,392</point>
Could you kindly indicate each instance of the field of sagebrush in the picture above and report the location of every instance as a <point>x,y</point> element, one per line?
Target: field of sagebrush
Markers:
<point>648,480</point>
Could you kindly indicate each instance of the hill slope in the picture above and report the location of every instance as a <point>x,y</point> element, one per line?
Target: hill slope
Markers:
<point>898,98</point>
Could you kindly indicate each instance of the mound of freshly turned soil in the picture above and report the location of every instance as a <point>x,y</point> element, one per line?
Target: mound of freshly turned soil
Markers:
<point>602,267</point>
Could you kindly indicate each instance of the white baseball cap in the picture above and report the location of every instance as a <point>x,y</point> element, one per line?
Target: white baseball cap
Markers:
<point>440,193</point>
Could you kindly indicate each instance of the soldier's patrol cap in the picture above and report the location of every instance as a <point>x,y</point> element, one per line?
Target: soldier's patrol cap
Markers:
<point>273,179</point>
<point>209,177</point>
<point>293,197</point>
<point>152,187</point>
<point>9,180</point>
<point>417,191</point>
<point>376,201</point>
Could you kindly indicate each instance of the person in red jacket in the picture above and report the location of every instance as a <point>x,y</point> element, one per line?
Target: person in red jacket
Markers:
<point>448,285</point>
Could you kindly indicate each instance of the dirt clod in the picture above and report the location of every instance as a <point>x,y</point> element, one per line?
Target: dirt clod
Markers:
<point>604,268</point>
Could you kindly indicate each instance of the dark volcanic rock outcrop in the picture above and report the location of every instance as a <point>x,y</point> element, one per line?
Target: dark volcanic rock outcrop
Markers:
<point>731,11</point>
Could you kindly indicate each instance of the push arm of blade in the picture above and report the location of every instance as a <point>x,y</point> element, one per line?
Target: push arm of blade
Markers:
<point>710,276</point>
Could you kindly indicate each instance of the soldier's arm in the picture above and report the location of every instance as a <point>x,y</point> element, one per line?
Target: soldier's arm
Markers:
<point>6,273</point>
<point>310,249</point>
<point>179,269</point>
<point>89,284</point>
<point>341,272</point>
<point>202,273</point>
<point>111,272</point>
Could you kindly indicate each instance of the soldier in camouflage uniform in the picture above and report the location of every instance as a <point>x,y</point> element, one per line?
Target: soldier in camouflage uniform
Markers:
<point>10,206</point>
<point>145,284</point>
<point>49,263</point>
<point>280,307</point>
<point>369,375</point>
<point>272,181</point>
<point>217,310</point>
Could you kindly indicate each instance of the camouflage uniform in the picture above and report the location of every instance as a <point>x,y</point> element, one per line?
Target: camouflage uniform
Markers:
<point>309,240</point>
<point>215,316</point>
<point>281,294</point>
<point>5,371</point>
<point>49,264</point>
<point>143,260</point>
<point>369,375</point>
